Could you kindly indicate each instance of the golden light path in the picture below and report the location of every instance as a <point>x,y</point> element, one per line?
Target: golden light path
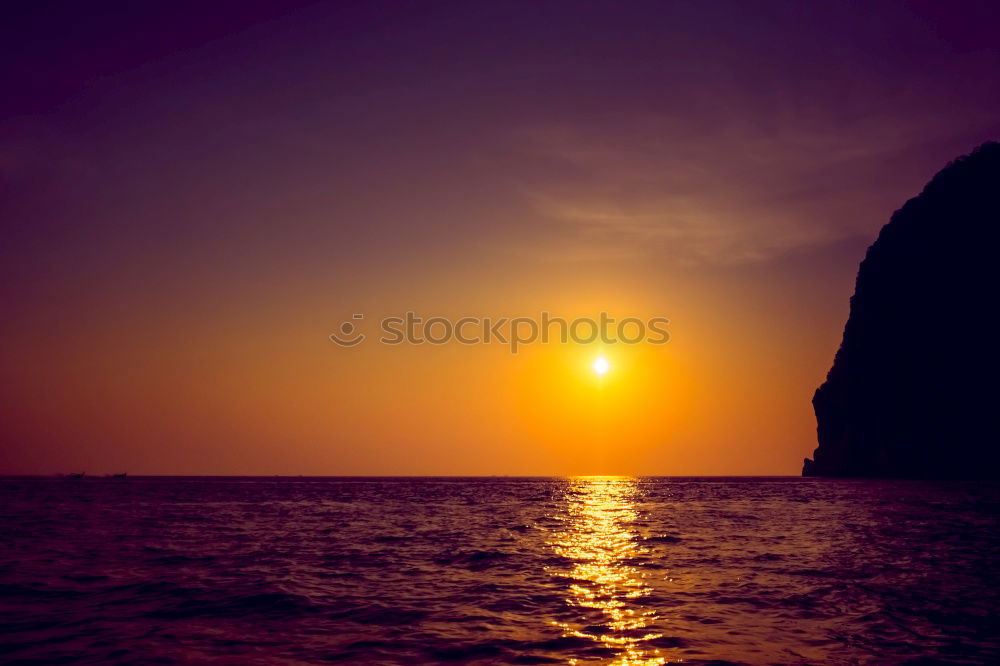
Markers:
<point>599,541</point>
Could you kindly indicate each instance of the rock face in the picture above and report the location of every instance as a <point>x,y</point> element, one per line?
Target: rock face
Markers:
<point>913,389</point>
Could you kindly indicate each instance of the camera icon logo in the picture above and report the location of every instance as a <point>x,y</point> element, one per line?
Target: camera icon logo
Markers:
<point>349,336</point>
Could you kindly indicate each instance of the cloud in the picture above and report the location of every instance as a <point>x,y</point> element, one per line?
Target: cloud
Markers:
<point>723,188</point>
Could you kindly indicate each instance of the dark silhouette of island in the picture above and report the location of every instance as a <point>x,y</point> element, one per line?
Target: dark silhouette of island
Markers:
<point>913,388</point>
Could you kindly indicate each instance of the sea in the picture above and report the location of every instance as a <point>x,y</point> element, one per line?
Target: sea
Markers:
<point>589,570</point>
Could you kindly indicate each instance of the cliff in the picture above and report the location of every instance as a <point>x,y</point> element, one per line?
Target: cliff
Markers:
<point>912,391</point>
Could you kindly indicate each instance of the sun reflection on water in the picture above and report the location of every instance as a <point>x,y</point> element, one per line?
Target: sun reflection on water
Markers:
<point>608,589</point>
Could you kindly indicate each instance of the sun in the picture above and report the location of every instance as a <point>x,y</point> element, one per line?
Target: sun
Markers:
<point>601,365</point>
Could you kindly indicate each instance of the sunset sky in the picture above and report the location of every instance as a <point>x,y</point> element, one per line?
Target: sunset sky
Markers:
<point>194,196</point>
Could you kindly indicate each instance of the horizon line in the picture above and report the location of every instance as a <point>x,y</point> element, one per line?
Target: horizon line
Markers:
<point>400,476</point>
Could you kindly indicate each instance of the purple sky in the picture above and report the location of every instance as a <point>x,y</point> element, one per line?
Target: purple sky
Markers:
<point>174,172</point>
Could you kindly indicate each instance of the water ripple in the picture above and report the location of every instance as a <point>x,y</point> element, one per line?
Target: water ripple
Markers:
<point>499,571</point>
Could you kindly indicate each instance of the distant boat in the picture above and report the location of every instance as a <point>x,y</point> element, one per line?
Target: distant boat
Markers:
<point>76,475</point>
<point>120,475</point>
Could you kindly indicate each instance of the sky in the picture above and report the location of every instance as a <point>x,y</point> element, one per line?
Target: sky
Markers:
<point>194,196</point>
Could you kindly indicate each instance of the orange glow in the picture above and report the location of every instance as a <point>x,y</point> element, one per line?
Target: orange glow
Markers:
<point>261,390</point>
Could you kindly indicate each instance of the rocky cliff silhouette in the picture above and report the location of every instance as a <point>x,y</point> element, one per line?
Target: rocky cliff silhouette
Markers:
<point>913,388</point>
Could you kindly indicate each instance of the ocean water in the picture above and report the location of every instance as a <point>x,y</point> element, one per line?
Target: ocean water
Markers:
<point>498,571</point>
